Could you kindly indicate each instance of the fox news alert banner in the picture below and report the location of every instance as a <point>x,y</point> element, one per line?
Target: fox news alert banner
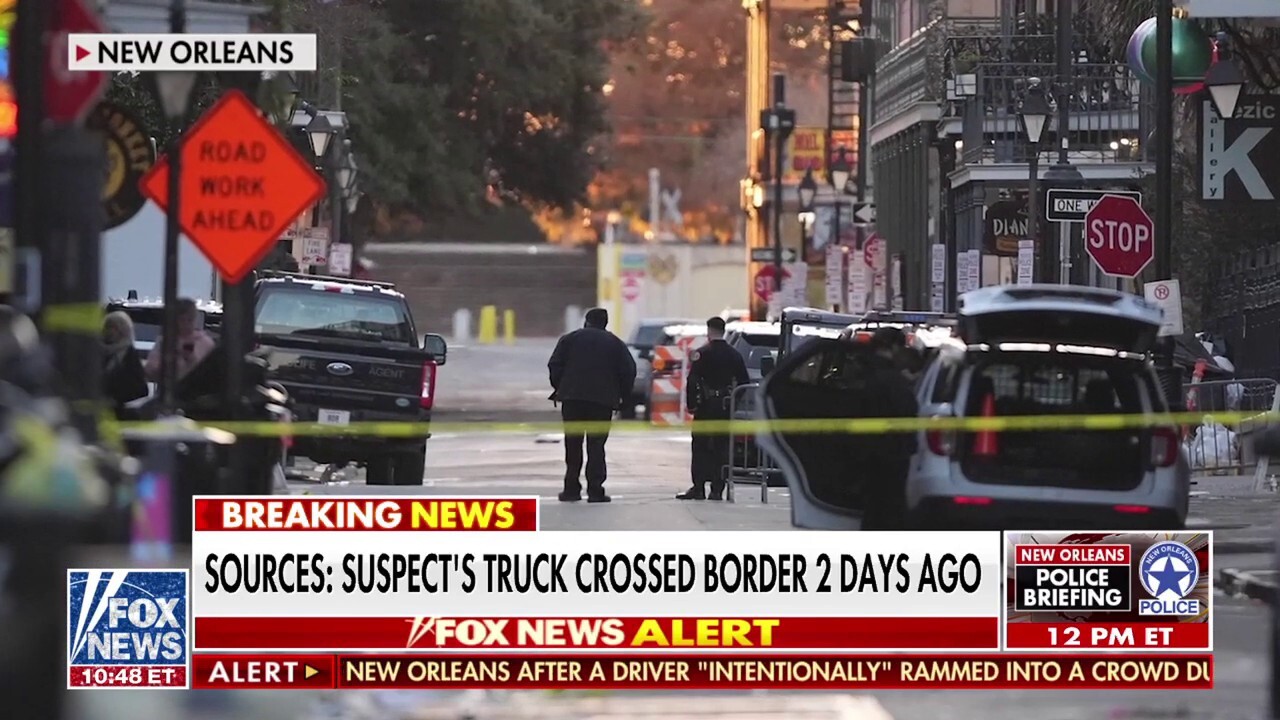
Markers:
<point>455,575</point>
<point>127,629</point>
<point>1070,592</point>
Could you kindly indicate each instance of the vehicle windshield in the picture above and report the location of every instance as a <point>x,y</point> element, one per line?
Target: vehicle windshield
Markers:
<point>149,321</point>
<point>353,316</point>
<point>649,336</point>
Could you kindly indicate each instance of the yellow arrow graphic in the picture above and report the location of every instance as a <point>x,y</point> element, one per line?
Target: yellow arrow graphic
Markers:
<point>309,671</point>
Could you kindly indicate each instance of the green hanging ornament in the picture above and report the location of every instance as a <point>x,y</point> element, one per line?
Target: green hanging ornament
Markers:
<point>1192,54</point>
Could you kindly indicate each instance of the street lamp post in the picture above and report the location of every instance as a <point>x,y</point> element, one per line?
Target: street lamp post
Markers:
<point>840,171</point>
<point>807,191</point>
<point>174,90</point>
<point>1224,81</point>
<point>320,133</point>
<point>1035,112</point>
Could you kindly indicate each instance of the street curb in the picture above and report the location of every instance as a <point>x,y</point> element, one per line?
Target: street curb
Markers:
<point>1243,547</point>
<point>1245,583</point>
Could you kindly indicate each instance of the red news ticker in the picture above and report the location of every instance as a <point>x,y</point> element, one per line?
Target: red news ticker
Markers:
<point>390,633</point>
<point>265,671</point>
<point>1071,554</point>
<point>321,514</point>
<point>1076,636</point>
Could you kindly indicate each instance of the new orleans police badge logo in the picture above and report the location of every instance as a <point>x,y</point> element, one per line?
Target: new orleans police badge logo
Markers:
<point>1169,572</point>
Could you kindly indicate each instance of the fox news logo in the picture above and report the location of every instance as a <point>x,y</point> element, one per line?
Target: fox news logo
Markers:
<point>127,628</point>
<point>1169,572</point>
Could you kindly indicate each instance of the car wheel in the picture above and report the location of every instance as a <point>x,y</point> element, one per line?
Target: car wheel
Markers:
<point>410,467</point>
<point>380,471</point>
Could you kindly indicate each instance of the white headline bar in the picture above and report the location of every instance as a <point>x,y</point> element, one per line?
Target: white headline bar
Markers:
<point>593,574</point>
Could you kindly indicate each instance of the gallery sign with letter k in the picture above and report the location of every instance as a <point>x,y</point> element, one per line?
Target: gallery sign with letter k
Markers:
<point>1240,157</point>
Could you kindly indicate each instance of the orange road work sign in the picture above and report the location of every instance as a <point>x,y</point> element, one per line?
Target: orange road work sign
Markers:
<point>242,185</point>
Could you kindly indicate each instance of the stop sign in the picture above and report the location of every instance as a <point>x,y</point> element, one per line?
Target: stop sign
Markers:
<point>1119,236</point>
<point>765,282</point>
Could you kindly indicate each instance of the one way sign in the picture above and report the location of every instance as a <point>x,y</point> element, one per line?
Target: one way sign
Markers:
<point>1240,157</point>
<point>864,212</point>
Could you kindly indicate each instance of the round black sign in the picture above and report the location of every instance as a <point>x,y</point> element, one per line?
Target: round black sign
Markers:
<point>130,155</point>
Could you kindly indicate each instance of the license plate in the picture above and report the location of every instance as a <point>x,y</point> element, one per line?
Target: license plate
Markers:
<point>335,417</point>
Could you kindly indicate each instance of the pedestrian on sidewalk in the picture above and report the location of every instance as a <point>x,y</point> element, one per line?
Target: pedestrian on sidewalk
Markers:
<point>123,379</point>
<point>592,371</point>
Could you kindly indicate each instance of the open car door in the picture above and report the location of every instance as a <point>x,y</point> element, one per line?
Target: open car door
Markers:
<point>814,382</point>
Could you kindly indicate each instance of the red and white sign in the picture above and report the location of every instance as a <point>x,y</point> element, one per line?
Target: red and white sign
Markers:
<point>766,281</point>
<point>630,288</point>
<point>871,250</point>
<point>1119,236</point>
<point>68,95</point>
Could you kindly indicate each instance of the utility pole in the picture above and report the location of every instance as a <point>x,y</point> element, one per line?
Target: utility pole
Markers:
<point>30,234</point>
<point>1062,173</point>
<point>778,123</point>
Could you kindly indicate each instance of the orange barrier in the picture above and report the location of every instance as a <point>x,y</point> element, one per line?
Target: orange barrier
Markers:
<point>666,389</point>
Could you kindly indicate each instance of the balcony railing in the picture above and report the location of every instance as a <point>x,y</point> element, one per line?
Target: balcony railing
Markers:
<point>1106,118</point>
<point>902,76</point>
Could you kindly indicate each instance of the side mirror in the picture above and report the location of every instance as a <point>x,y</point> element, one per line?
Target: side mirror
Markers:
<point>767,364</point>
<point>436,346</point>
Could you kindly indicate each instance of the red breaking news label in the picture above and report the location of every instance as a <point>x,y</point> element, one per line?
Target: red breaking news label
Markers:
<point>704,672</point>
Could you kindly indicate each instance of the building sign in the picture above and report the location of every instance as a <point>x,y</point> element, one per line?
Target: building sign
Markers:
<point>1004,225</point>
<point>130,155</point>
<point>806,149</point>
<point>1240,157</point>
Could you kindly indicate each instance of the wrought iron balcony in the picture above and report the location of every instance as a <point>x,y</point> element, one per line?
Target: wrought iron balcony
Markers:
<point>1106,117</point>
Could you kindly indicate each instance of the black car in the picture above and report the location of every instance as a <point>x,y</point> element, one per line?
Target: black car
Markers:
<point>347,351</point>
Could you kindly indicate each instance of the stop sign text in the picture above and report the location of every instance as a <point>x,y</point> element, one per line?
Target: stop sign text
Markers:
<point>1119,236</point>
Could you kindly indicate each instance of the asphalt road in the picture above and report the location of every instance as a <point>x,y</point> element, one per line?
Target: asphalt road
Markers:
<point>645,473</point>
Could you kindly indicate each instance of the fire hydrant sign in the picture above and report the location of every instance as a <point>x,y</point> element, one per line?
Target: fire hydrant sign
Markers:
<point>242,185</point>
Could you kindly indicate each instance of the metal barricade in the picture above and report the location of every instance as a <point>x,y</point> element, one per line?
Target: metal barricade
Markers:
<point>748,463</point>
<point>1215,448</point>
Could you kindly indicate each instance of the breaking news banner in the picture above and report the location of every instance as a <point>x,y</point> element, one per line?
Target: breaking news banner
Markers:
<point>127,629</point>
<point>395,574</point>
<point>699,672</point>
<point>1114,591</point>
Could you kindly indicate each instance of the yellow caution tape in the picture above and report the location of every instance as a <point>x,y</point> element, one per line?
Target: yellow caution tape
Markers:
<point>75,318</point>
<point>835,426</point>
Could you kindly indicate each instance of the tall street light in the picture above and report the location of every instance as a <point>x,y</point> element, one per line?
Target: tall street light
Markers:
<point>1035,112</point>
<point>808,191</point>
<point>778,122</point>
<point>320,133</point>
<point>174,90</point>
<point>1224,81</point>
<point>840,172</point>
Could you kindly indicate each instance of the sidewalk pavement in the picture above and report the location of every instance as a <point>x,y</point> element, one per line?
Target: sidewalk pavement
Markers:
<point>1243,521</point>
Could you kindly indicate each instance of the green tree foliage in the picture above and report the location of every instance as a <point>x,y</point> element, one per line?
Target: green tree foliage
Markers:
<point>454,102</point>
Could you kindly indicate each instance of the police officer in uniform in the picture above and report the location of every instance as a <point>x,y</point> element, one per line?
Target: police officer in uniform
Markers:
<point>715,370</point>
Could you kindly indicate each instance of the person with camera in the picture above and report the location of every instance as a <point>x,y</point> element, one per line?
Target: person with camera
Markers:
<point>194,344</point>
<point>715,370</point>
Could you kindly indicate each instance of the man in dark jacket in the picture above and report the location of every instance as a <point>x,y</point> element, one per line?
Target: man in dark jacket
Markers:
<point>715,370</point>
<point>591,372</point>
<point>890,394</point>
